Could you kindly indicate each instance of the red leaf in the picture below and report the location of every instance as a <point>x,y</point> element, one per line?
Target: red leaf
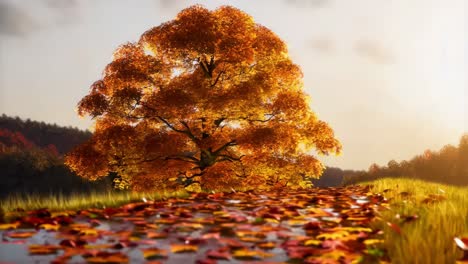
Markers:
<point>395,227</point>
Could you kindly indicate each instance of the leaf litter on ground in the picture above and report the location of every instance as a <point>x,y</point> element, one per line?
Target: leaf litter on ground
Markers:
<point>326,225</point>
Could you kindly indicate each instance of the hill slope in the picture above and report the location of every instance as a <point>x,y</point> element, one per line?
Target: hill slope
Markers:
<point>43,135</point>
<point>31,159</point>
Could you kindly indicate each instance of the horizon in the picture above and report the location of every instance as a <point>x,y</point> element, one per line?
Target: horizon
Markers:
<point>395,70</point>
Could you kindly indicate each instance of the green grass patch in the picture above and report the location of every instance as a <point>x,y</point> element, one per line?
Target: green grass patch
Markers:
<point>80,201</point>
<point>442,215</point>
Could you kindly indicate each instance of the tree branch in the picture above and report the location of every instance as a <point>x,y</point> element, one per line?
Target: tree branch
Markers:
<point>217,78</point>
<point>271,116</point>
<point>188,159</point>
<point>186,132</point>
<point>225,146</point>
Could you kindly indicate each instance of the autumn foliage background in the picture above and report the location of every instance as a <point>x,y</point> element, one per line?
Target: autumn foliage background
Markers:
<point>210,99</point>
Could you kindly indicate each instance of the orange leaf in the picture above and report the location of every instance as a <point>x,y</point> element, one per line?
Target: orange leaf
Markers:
<point>251,254</point>
<point>182,248</point>
<point>152,253</point>
<point>50,227</point>
<point>9,226</point>
<point>43,249</point>
<point>22,234</point>
<point>395,227</point>
<point>156,235</point>
<point>267,245</point>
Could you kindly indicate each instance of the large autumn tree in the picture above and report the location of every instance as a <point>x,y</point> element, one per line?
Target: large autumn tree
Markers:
<point>209,99</point>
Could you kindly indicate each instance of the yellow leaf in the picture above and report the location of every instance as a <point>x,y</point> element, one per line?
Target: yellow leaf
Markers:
<point>297,222</point>
<point>312,242</point>
<point>151,253</point>
<point>98,246</point>
<point>62,213</point>
<point>89,232</point>
<point>181,248</point>
<point>334,235</point>
<point>373,241</point>
<point>9,226</point>
<point>251,254</point>
<point>316,212</point>
<point>357,218</point>
<point>50,227</point>
<point>271,220</point>
<point>356,229</point>
<point>250,239</point>
<point>250,233</point>
<point>189,226</point>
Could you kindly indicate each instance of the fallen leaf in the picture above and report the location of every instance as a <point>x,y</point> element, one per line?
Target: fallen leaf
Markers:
<point>373,241</point>
<point>182,248</point>
<point>312,242</point>
<point>251,254</point>
<point>156,235</point>
<point>21,234</point>
<point>152,253</point>
<point>395,227</point>
<point>49,227</point>
<point>267,245</point>
<point>334,235</point>
<point>73,243</point>
<point>9,226</point>
<point>43,249</point>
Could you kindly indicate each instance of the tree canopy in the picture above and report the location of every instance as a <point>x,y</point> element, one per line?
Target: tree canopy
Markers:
<point>209,99</point>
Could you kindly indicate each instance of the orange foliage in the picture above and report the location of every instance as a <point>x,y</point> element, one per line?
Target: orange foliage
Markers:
<point>210,98</point>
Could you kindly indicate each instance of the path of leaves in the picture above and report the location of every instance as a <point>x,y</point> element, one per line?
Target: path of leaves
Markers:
<point>310,226</point>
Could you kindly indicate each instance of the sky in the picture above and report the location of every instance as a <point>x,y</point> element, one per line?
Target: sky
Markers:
<point>389,76</point>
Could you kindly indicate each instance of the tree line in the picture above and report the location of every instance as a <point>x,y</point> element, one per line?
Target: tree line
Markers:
<point>43,135</point>
<point>31,159</point>
<point>449,165</point>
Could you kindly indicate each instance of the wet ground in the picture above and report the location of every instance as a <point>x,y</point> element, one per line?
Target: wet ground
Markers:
<point>329,225</point>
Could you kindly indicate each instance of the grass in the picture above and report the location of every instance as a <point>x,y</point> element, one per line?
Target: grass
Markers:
<point>442,212</point>
<point>80,201</point>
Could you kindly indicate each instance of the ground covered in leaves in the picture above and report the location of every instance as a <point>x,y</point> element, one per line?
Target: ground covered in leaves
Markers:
<point>330,225</point>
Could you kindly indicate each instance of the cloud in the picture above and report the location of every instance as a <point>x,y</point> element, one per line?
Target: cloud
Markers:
<point>374,51</point>
<point>308,3</point>
<point>15,21</point>
<point>171,4</point>
<point>322,45</point>
<point>61,3</point>
<point>23,19</point>
<point>64,11</point>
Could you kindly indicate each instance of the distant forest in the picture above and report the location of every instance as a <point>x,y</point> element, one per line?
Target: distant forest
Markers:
<point>449,165</point>
<point>44,135</point>
<point>31,161</point>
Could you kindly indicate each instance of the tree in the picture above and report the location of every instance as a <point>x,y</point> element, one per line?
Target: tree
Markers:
<point>462,161</point>
<point>209,99</point>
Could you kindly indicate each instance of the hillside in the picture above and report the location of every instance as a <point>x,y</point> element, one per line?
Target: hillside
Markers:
<point>44,135</point>
<point>31,159</point>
